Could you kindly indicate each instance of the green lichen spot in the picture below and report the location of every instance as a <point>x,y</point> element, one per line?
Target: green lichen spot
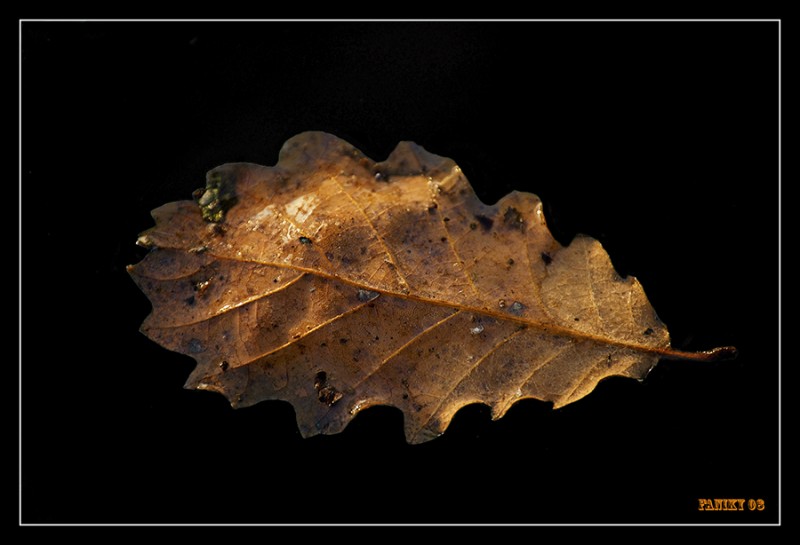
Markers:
<point>217,198</point>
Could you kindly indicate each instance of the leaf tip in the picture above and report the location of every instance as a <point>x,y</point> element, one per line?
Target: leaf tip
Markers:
<point>144,241</point>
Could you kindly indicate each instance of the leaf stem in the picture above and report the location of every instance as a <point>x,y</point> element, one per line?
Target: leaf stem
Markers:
<point>722,353</point>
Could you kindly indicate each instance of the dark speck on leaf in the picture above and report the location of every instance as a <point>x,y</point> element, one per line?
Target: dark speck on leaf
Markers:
<point>326,393</point>
<point>196,346</point>
<point>320,379</point>
<point>201,286</point>
<point>485,222</point>
<point>648,331</point>
<point>329,395</point>
<point>513,219</point>
<point>546,258</point>
<point>367,295</point>
<point>304,240</point>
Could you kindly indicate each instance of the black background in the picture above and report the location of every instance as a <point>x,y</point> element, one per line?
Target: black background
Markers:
<point>659,139</point>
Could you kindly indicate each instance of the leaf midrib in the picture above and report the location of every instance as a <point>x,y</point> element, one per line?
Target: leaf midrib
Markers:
<point>553,329</point>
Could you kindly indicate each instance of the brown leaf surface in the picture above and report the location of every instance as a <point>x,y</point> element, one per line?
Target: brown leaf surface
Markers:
<point>337,283</point>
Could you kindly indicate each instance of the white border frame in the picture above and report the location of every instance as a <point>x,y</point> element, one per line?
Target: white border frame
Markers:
<point>780,311</point>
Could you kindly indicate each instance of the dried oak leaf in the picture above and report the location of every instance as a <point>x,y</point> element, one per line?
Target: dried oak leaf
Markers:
<point>337,283</point>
